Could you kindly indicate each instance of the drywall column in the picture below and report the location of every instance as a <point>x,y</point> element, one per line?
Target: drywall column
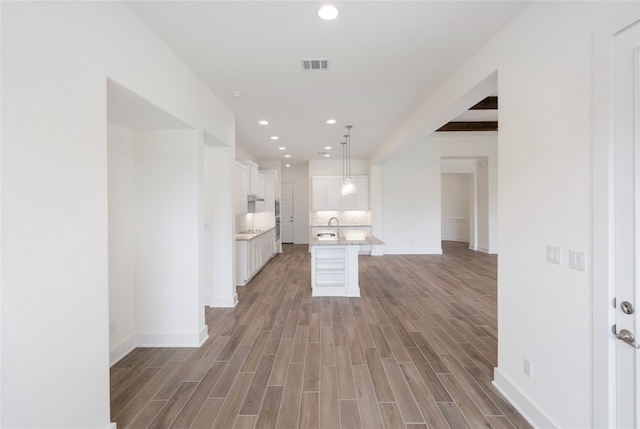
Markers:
<point>375,199</point>
<point>221,292</point>
<point>168,308</point>
<point>121,173</point>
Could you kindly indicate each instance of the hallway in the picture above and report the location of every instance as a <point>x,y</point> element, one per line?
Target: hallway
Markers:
<point>417,350</point>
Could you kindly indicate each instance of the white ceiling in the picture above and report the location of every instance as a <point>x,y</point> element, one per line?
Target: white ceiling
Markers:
<point>386,57</point>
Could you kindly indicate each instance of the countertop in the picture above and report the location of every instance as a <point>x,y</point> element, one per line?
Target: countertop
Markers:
<point>346,242</point>
<point>248,235</point>
<point>352,225</point>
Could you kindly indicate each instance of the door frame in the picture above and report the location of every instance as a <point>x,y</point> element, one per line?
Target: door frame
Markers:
<point>603,286</point>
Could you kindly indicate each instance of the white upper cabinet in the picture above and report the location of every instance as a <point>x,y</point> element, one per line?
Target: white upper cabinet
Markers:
<point>256,180</point>
<point>359,200</point>
<point>240,187</point>
<point>271,189</point>
<point>326,194</point>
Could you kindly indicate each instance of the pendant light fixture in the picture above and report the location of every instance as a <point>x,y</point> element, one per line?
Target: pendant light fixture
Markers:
<point>348,187</point>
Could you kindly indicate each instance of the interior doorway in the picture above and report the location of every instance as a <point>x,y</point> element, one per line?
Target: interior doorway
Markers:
<point>286,212</point>
<point>457,207</point>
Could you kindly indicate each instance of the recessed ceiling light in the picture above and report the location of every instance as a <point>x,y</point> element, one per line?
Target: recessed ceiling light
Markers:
<point>274,137</point>
<point>328,12</point>
<point>282,148</point>
<point>327,147</point>
<point>236,94</point>
<point>287,156</point>
<point>288,165</point>
<point>326,155</point>
<point>331,121</point>
<point>263,122</point>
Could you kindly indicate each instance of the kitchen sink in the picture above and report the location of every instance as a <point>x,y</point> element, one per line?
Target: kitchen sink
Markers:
<point>327,236</point>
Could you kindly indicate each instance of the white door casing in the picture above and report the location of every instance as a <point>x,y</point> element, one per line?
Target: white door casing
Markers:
<point>616,204</point>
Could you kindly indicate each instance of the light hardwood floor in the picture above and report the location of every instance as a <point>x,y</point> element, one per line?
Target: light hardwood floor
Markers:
<point>417,350</point>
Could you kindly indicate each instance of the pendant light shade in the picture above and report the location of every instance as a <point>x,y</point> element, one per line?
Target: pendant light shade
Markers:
<point>348,186</point>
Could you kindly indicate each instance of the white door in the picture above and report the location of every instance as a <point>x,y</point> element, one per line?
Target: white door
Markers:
<point>456,194</point>
<point>616,210</point>
<point>627,211</point>
<point>286,212</point>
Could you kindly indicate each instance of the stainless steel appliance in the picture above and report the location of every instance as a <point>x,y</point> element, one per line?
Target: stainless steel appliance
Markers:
<point>277,228</point>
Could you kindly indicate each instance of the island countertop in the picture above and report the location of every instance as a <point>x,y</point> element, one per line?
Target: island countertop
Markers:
<point>371,240</point>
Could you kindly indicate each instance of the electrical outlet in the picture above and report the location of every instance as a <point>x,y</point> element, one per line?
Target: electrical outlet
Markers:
<point>527,368</point>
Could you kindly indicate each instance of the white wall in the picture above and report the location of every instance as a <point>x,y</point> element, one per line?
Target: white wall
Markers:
<point>545,148</point>
<point>333,167</point>
<point>411,191</point>
<point>56,61</point>
<point>168,306</point>
<point>221,225</point>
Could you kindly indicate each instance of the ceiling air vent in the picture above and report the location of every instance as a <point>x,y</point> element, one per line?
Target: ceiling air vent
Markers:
<point>319,64</point>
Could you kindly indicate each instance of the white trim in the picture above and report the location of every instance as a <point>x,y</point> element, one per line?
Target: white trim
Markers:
<point>412,251</point>
<point>521,402</point>
<point>223,301</point>
<point>603,350</point>
<point>377,250</point>
<point>172,339</point>
<point>113,426</point>
<point>335,291</point>
<point>490,251</point>
<point>122,349</point>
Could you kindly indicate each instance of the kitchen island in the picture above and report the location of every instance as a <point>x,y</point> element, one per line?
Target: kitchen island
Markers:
<point>334,264</point>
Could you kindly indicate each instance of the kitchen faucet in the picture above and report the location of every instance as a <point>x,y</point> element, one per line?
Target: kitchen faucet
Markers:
<point>337,224</point>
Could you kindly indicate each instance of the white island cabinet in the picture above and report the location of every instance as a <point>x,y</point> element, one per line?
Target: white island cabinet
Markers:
<point>334,266</point>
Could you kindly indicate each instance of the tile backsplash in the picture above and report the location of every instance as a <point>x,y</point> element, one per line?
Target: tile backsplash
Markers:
<point>352,217</point>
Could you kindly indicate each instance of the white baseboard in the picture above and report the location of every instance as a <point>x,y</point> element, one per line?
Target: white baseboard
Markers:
<point>122,349</point>
<point>171,339</point>
<point>223,301</point>
<point>483,249</point>
<point>462,240</point>
<point>113,426</point>
<point>521,402</point>
<point>412,251</point>
<point>336,291</point>
<point>157,340</point>
<point>377,250</point>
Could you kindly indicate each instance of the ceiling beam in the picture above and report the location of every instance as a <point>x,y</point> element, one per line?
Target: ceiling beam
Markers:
<point>469,126</point>
<point>489,103</point>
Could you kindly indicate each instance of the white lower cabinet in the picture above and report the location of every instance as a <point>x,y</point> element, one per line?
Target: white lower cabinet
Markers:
<point>334,271</point>
<point>252,255</point>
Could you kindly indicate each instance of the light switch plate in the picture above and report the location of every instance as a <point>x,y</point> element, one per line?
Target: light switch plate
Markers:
<point>554,254</point>
<point>577,260</point>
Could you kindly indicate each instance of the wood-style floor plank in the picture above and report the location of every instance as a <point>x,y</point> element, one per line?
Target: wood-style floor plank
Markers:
<point>417,350</point>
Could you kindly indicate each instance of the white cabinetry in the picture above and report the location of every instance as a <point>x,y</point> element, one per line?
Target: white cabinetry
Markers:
<point>256,180</point>
<point>252,255</point>
<point>240,187</point>
<point>359,200</point>
<point>271,189</point>
<point>334,270</point>
<point>326,194</point>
